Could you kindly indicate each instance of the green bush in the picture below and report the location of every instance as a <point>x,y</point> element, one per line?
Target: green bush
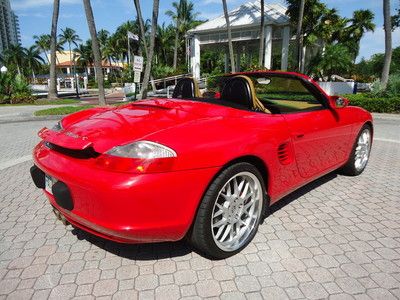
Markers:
<point>14,89</point>
<point>375,104</point>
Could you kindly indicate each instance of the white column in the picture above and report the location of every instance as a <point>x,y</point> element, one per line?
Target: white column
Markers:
<point>68,70</point>
<point>195,56</point>
<point>85,82</point>
<point>58,84</point>
<point>303,59</point>
<point>268,47</point>
<point>88,70</point>
<point>285,48</point>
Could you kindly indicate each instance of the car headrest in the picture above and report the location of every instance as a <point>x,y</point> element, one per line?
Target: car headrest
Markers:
<point>240,90</point>
<point>237,90</point>
<point>186,88</point>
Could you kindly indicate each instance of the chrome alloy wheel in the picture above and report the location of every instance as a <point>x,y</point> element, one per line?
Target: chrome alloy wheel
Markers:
<point>236,211</point>
<point>362,150</point>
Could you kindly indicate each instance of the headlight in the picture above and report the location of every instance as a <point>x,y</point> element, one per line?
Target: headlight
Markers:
<point>143,150</point>
<point>57,127</point>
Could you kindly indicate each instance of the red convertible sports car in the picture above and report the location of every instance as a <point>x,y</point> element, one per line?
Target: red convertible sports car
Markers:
<point>203,167</point>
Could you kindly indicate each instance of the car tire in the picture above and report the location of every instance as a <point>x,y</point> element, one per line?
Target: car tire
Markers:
<point>230,212</point>
<point>360,152</point>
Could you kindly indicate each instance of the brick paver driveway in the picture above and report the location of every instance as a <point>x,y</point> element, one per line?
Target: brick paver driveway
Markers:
<point>339,237</point>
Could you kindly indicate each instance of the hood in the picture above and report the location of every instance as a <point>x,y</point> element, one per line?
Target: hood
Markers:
<point>105,128</point>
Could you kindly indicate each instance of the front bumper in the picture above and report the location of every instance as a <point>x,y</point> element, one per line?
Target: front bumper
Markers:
<point>128,208</point>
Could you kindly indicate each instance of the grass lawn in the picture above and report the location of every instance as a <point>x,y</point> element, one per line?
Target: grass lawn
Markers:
<point>46,102</point>
<point>64,110</point>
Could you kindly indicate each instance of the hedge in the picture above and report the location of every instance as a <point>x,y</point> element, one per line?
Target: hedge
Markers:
<point>375,104</point>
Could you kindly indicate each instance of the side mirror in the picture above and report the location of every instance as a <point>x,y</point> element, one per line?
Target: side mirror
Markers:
<point>338,102</point>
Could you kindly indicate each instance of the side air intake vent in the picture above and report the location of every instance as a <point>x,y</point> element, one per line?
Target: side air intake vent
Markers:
<point>284,154</point>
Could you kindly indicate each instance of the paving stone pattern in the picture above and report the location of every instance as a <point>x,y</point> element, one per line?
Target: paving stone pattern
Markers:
<point>337,238</point>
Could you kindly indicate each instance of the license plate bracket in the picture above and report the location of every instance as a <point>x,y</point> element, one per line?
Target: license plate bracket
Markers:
<point>49,181</point>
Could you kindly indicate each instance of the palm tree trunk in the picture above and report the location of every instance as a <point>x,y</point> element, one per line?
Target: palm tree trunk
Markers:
<point>388,43</point>
<point>141,25</point>
<point>96,50</point>
<point>262,37</point>
<point>52,94</point>
<point>156,4</point>
<point>176,45</point>
<point>228,27</point>
<point>299,36</point>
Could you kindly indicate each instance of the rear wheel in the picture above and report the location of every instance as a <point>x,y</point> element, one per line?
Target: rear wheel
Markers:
<point>360,154</point>
<point>230,212</point>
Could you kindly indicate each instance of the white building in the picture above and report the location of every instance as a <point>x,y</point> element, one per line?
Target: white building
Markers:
<point>9,26</point>
<point>245,26</point>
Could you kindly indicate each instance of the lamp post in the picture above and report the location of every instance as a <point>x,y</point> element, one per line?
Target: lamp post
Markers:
<point>75,78</point>
<point>3,69</point>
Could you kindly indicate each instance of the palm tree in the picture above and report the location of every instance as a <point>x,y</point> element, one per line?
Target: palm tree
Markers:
<point>52,94</point>
<point>299,36</point>
<point>33,59</point>
<point>42,43</point>
<point>184,19</point>
<point>146,77</point>
<point>69,36</point>
<point>336,59</point>
<point>15,55</point>
<point>262,36</point>
<point>228,27</point>
<point>361,22</point>
<point>388,42</point>
<point>96,50</point>
<point>164,44</point>
<point>142,27</point>
<point>85,55</point>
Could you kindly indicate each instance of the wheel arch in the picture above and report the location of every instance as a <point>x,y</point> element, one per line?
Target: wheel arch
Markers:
<point>251,159</point>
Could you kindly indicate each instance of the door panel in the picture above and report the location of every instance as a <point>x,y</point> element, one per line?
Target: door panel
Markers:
<point>321,140</point>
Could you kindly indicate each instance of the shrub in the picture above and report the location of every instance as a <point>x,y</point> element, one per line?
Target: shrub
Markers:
<point>375,104</point>
<point>15,89</point>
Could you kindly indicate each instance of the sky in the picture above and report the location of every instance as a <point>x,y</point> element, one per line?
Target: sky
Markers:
<point>35,16</point>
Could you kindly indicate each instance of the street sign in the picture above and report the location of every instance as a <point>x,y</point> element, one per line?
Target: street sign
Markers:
<point>138,63</point>
<point>136,77</point>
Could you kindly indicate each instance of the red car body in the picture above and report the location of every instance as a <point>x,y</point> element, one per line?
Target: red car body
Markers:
<point>140,201</point>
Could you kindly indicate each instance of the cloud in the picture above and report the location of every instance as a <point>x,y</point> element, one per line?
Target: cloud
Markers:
<point>25,4</point>
<point>33,15</point>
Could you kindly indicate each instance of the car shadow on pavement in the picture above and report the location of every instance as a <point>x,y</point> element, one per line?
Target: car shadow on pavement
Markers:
<point>302,191</point>
<point>154,251</point>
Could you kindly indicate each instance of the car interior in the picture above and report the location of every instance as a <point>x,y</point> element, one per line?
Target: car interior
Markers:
<point>273,94</point>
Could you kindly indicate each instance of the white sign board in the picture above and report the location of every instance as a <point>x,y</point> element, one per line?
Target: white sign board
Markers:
<point>138,63</point>
<point>136,77</point>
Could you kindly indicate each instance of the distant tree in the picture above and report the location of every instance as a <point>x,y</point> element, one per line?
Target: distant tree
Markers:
<point>396,19</point>
<point>33,60</point>
<point>14,55</point>
<point>52,94</point>
<point>85,55</point>
<point>388,43</point>
<point>228,28</point>
<point>42,43</point>
<point>146,76</point>
<point>361,22</point>
<point>69,36</point>
<point>184,18</point>
<point>96,50</point>
<point>336,60</point>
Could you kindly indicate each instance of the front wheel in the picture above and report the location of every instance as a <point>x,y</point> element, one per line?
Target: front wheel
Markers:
<point>230,212</point>
<point>360,153</point>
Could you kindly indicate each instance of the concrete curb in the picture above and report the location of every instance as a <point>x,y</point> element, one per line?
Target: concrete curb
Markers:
<point>395,117</point>
<point>19,119</point>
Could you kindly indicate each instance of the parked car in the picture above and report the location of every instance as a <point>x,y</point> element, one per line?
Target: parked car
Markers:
<point>203,168</point>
